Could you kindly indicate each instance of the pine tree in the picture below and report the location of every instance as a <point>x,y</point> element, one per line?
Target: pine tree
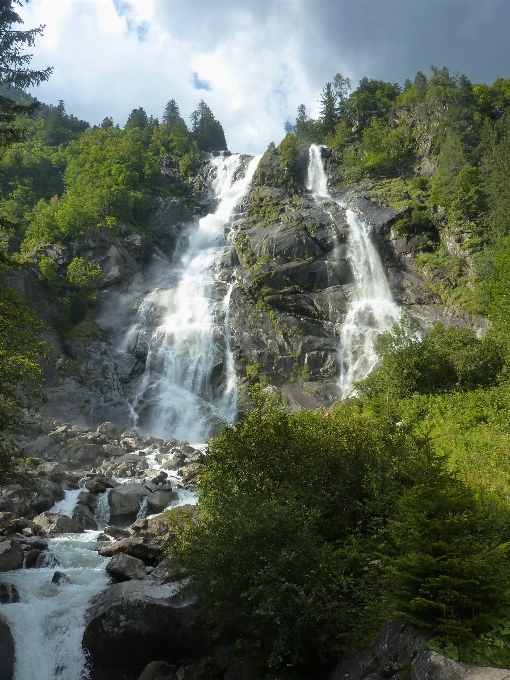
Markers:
<point>328,114</point>
<point>448,574</point>
<point>137,118</point>
<point>171,113</point>
<point>207,130</point>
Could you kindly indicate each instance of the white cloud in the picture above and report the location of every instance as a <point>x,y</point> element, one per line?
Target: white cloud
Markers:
<point>260,58</point>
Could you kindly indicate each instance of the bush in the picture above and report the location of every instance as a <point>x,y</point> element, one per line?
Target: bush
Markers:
<point>444,359</point>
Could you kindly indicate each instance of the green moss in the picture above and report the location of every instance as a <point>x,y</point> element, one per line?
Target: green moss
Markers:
<point>264,208</point>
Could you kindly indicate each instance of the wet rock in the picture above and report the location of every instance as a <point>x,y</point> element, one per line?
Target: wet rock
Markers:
<point>132,623</point>
<point>7,654</point>
<point>36,542</point>
<point>126,498</point>
<point>48,493</point>
<point>103,538</point>
<point>31,557</point>
<point>47,559</point>
<point>54,523</point>
<point>160,499</point>
<point>95,487</point>
<point>60,579</point>
<point>158,670</point>
<point>8,593</point>
<point>142,548</point>
<point>88,499</point>
<point>84,516</point>
<point>116,532</point>
<point>124,568</point>
<point>11,555</point>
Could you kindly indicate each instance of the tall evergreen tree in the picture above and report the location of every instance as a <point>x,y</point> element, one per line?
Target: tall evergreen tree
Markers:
<point>328,114</point>
<point>171,113</point>
<point>207,130</point>
<point>137,118</point>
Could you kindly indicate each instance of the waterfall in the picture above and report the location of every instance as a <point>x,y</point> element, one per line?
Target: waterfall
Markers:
<point>372,310</point>
<point>187,389</point>
<point>102,511</point>
<point>317,181</point>
<point>48,622</point>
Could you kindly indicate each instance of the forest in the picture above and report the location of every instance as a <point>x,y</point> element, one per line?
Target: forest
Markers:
<point>314,528</point>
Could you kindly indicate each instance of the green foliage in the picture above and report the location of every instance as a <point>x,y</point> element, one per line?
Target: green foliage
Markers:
<point>21,351</point>
<point>82,273</point>
<point>383,152</point>
<point>264,207</point>
<point>208,131</point>
<point>444,359</point>
<point>287,505</point>
<point>449,574</point>
<point>496,171</point>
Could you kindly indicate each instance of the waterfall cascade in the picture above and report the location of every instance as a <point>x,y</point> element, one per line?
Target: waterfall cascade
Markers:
<point>189,385</point>
<point>189,345</point>
<point>372,310</point>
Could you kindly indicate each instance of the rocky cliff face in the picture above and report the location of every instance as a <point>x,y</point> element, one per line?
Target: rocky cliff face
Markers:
<point>288,257</point>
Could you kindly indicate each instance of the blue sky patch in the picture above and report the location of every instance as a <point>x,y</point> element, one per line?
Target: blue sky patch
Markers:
<point>200,84</point>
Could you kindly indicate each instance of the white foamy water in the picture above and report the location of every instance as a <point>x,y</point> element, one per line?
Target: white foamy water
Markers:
<point>189,384</point>
<point>49,621</point>
<point>372,310</point>
<point>67,504</point>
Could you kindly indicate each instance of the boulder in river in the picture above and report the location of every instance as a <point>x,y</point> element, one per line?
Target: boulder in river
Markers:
<point>160,499</point>
<point>11,555</point>
<point>84,516</point>
<point>132,623</point>
<point>6,652</point>
<point>54,523</point>
<point>8,593</point>
<point>124,567</point>
<point>126,498</point>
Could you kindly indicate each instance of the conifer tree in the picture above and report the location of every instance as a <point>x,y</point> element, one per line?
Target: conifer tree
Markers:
<point>328,114</point>
<point>207,130</point>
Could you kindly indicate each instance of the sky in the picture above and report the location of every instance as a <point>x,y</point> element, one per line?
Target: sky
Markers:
<point>252,61</point>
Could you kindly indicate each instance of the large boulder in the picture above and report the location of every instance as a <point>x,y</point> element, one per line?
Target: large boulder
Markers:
<point>54,523</point>
<point>158,670</point>
<point>433,666</point>
<point>132,623</point>
<point>84,516</point>
<point>47,494</point>
<point>125,499</point>
<point>11,555</point>
<point>6,652</point>
<point>160,499</point>
<point>124,567</point>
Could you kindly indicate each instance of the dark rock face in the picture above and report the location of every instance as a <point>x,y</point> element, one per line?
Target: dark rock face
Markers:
<point>158,670</point>
<point>8,593</point>
<point>132,623</point>
<point>11,555</point>
<point>7,657</point>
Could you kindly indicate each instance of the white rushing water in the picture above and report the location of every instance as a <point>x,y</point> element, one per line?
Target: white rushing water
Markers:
<point>48,623</point>
<point>372,310</point>
<point>189,384</point>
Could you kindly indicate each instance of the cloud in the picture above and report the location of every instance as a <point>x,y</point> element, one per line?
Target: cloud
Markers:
<point>254,61</point>
<point>200,84</point>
